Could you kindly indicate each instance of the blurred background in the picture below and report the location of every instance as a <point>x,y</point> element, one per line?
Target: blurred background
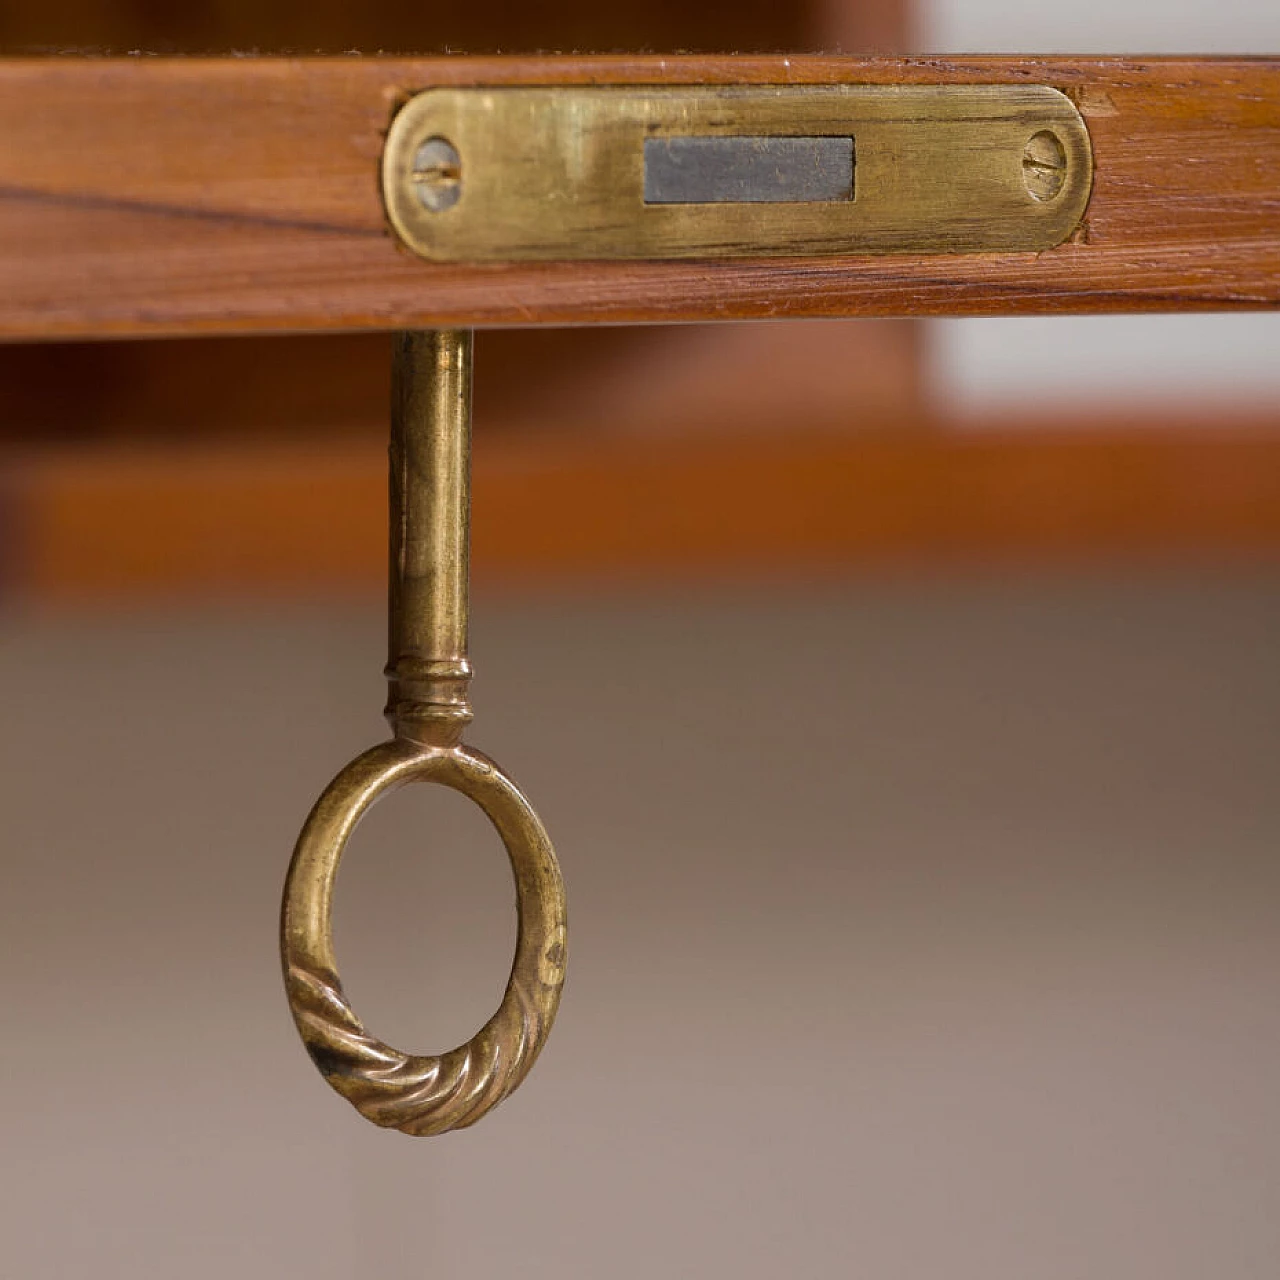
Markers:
<point>902,698</point>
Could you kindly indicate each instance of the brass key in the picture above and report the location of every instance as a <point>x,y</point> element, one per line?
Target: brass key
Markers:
<point>428,677</point>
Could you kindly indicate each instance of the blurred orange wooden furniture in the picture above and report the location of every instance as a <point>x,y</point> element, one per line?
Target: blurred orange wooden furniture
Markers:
<point>233,202</point>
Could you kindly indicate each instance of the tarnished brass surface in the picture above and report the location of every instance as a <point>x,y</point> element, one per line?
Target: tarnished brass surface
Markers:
<point>428,676</point>
<point>516,174</point>
<point>423,1094</point>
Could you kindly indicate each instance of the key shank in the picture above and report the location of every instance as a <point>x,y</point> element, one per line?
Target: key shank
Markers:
<point>428,673</point>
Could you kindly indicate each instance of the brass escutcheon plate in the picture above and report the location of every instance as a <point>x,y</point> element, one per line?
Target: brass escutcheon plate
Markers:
<point>547,174</point>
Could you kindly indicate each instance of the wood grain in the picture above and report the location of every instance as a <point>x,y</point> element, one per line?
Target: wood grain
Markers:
<point>121,521</point>
<point>153,196</point>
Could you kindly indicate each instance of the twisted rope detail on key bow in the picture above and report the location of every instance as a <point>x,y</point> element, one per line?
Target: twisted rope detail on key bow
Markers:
<point>429,1093</point>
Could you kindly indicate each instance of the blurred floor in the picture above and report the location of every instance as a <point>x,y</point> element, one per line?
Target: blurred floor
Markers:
<point>916,930</point>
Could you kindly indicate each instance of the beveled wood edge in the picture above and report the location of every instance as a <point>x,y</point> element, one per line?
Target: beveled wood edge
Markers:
<point>306,266</point>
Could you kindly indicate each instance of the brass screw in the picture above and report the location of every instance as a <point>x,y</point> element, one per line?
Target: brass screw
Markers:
<point>437,174</point>
<point>1044,165</point>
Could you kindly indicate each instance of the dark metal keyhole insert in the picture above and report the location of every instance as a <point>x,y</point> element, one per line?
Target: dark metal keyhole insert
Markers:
<point>748,170</point>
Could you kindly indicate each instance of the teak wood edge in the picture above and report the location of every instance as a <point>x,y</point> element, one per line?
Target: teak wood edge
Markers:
<point>148,197</point>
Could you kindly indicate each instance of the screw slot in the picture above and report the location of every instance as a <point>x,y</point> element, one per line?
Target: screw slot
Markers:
<point>437,174</point>
<point>1044,165</point>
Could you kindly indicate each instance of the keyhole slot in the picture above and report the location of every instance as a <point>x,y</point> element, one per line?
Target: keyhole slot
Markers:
<point>748,170</point>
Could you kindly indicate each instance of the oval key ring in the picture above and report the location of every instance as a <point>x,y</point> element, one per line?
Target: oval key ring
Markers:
<point>428,707</point>
<point>422,1094</point>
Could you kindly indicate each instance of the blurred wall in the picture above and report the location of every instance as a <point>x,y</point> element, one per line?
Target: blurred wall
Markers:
<point>916,931</point>
<point>1099,26</point>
